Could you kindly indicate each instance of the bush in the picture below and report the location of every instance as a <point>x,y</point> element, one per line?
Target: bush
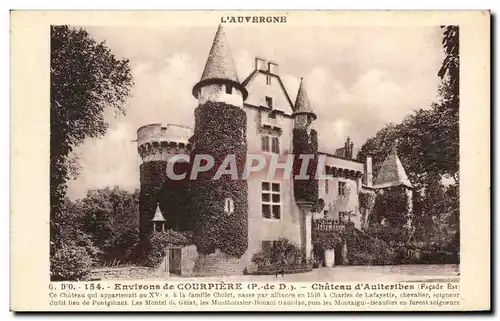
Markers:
<point>70,263</point>
<point>283,254</point>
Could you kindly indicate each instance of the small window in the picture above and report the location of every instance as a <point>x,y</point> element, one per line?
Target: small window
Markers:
<point>275,148</point>
<point>266,246</point>
<point>229,89</point>
<point>229,206</point>
<point>265,143</point>
<point>326,186</point>
<point>268,80</point>
<point>342,188</point>
<point>269,102</point>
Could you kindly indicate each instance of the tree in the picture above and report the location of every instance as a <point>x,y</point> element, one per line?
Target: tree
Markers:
<point>111,217</point>
<point>85,79</point>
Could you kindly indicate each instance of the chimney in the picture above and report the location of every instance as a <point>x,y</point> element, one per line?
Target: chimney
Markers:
<point>272,67</point>
<point>368,171</point>
<point>260,64</point>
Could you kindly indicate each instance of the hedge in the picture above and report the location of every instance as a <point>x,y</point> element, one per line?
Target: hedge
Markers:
<point>220,130</point>
<point>159,244</point>
<point>305,191</point>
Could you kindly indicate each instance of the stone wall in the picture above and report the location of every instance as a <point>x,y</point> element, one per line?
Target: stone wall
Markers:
<point>132,272</point>
<point>217,264</point>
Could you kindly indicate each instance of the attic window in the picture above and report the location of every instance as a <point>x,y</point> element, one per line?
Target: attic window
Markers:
<point>269,102</point>
<point>268,80</point>
<point>229,89</point>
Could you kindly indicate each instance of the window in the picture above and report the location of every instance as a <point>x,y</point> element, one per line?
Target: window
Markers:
<point>326,186</point>
<point>266,246</point>
<point>269,102</point>
<point>265,143</point>
<point>268,80</point>
<point>271,200</point>
<point>228,205</point>
<point>229,89</point>
<point>342,188</point>
<point>275,148</point>
<point>270,144</point>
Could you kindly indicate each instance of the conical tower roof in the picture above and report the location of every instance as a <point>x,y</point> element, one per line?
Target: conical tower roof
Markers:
<point>220,67</point>
<point>302,103</point>
<point>158,216</point>
<point>392,172</point>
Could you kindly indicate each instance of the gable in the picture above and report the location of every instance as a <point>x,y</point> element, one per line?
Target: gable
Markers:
<point>258,89</point>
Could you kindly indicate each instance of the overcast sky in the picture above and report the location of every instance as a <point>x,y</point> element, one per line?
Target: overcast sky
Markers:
<point>357,79</point>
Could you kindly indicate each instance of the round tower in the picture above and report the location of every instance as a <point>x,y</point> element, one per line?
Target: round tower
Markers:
<point>156,144</point>
<point>303,113</point>
<point>221,205</point>
<point>305,143</point>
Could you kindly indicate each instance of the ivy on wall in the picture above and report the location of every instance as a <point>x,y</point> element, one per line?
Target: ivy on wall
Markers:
<point>305,191</point>
<point>220,130</point>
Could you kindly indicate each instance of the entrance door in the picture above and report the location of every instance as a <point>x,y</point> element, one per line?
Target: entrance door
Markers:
<point>174,262</point>
<point>338,255</point>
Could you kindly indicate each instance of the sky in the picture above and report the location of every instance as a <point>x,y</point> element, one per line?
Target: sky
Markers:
<point>357,79</point>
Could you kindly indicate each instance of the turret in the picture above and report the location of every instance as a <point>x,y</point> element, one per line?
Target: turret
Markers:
<point>303,113</point>
<point>219,81</point>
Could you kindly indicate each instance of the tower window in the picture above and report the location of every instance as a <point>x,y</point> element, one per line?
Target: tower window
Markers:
<point>229,89</point>
<point>269,102</point>
<point>326,186</point>
<point>271,200</point>
<point>228,205</point>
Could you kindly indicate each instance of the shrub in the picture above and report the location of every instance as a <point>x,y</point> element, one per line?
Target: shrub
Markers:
<point>70,263</point>
<point>283,254</point>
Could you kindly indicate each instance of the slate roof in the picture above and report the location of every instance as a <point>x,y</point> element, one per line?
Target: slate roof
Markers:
<point>392,172</point>
<point>302,103</point>
<point>158,216</point>
<point>220,64</point>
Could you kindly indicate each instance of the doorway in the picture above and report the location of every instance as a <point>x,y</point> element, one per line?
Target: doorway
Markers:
<point>174,260</point>
<point>338,254</point>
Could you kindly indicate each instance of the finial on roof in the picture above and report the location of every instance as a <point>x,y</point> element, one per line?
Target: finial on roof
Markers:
<point>302,103</point>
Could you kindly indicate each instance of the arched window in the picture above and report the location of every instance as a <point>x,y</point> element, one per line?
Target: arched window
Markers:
<point>228,205</point>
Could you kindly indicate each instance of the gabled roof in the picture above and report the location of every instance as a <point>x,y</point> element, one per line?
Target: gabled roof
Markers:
<point>158,216</point>
<point>220,65</point>
<point>254,73</point>
<point>392,172</point>
<point>302,103</point>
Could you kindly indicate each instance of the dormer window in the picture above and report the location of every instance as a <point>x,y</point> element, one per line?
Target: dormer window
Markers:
<point>229,89</point>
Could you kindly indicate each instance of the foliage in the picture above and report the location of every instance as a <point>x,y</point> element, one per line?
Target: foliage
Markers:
<point>328,239</point>
<point>85,79</point>
<point>305,191</point>
<point>366,250</point>
<point>391,204</point>
<point>220,130</point>
<point>283,254</point>
<point>70,263</point>
<point>108,215</point>
<point>159,244</point>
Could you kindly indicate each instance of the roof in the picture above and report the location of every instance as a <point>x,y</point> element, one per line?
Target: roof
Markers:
<point>158,216</point>
<point>392,172</point>
<point>302,103</point>
<point>220,64</point>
